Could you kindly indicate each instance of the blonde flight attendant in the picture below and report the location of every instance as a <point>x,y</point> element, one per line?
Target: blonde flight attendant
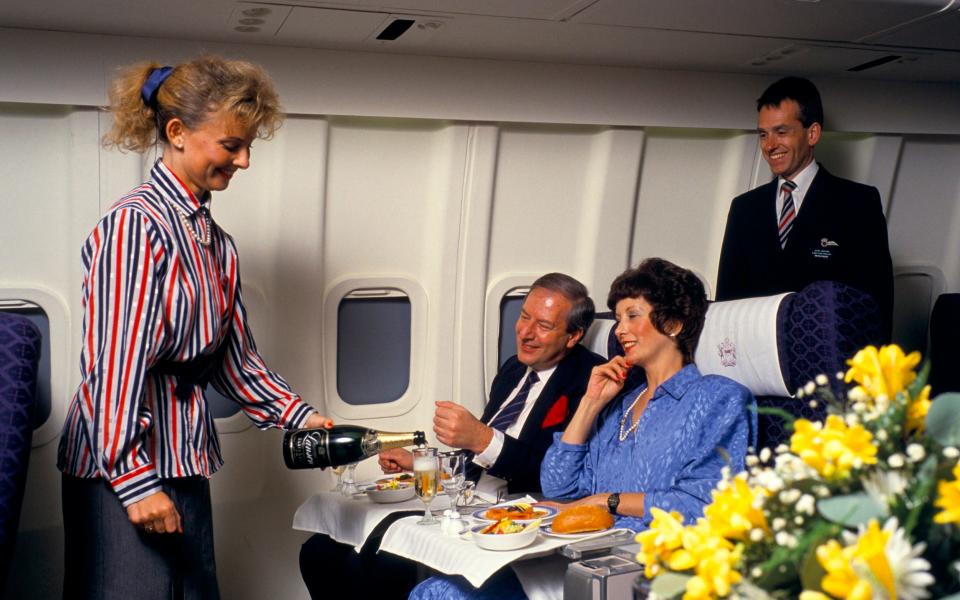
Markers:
<point>164,317</point>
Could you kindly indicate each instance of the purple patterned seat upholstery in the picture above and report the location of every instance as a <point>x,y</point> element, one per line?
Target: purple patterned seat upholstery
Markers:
<point>19,356</point>
<point>818,329</point>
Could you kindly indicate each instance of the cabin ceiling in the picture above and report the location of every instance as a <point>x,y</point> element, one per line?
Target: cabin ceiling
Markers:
<point>908,40</point>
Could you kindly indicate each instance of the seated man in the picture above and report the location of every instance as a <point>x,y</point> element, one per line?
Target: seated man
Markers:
<point>662,444</point>
<point>532,397</point>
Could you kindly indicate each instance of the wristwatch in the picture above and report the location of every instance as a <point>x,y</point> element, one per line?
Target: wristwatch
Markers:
<point>613,501</point>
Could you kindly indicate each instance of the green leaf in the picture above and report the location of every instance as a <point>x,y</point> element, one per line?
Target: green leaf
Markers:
<point>914,388</point>
<point>943,419</point>
<point>751,592</point>
<point>811,572</point>
<point>669,584</point>
<point>851,510</point>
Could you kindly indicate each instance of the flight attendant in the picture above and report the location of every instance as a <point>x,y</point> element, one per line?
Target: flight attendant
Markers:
<point>164,317</point>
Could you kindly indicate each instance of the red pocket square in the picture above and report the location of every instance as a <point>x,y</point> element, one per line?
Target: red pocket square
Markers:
<point>556,414</point>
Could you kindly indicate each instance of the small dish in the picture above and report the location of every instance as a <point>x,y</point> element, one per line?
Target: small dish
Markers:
<point>544,513</point>
<point>503,541</point>
<point>388,490</point>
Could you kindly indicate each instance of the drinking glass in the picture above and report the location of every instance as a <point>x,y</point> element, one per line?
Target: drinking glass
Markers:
<point>452,477</point>
<point>426,473</point>
<point>339,471</point>
<point>349,486</point>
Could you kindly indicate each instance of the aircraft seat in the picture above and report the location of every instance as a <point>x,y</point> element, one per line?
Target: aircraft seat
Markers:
<point>944,355</point>
<point>775,345</point>
<point>19,357</point>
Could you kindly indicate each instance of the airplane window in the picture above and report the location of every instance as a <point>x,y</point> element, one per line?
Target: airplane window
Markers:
<point>510,307</point>
<point>39,318</point>
<point>373,346</point>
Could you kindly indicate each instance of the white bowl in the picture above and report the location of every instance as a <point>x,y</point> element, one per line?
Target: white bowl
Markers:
<point>405,491</point>
<point>504,541</point>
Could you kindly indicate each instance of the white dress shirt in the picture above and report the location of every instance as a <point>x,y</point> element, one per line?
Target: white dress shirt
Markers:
<point>488,484</point>
<point>803,179</point>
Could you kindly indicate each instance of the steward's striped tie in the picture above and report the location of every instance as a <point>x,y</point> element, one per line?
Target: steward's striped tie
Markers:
<point>788,212</point>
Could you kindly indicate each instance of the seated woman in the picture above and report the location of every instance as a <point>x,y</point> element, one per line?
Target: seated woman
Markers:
<point>661,444</point>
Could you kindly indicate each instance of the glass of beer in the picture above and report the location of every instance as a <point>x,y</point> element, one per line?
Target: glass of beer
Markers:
<point>426,473</point>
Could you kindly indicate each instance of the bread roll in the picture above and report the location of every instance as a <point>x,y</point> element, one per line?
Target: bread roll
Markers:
<point>581,519</point>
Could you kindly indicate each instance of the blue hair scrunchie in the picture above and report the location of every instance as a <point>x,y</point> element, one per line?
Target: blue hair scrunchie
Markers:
<point>149,90</point>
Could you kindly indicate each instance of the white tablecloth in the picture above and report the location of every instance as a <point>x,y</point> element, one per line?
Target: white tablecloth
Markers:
<point>351,520</point>
<point>458,555</point>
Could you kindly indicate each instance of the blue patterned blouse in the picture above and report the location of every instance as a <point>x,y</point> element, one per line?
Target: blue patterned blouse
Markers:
<point>674,454</point>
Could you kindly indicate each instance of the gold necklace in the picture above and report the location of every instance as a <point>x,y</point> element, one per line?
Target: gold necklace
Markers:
<point>627,414</point>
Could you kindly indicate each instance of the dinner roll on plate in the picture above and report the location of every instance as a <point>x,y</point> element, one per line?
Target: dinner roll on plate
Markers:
<point>581,519</point>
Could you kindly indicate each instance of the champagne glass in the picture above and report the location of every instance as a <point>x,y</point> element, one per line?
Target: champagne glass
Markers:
<point>339,471</point>
<point>426,472</point>
<point>349,487</point>
<point>453,476</point>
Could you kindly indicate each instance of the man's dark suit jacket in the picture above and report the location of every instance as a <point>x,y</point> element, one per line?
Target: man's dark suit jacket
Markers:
<point>840,234</point>
<point>520,458</point>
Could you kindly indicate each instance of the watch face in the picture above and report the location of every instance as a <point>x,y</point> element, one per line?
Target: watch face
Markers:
<point>613,500</point>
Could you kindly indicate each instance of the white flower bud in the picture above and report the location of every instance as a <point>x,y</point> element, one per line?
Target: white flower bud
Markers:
<point>782,449</point>
<point>765,455</point>
<point>810,388</point>
<point>951,452</point>
<point>895,461</point>
<point>798,520</point>
<point>752,460</point>
<point>806,504</point>
<point>789,496</point>
<point>916,452</point>
<point>882,435</point>
<point>821,379</point>
<point>778,523</point>
<point>840,375</point>
<point>756,572</point>
<point>756,535</point>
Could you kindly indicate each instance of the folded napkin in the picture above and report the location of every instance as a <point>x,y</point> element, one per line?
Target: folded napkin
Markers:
<point>459,555</point>
<point>352,520</point>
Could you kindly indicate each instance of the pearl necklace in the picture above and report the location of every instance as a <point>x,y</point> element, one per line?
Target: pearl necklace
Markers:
<point>205,239</point>
<point>627,414</point>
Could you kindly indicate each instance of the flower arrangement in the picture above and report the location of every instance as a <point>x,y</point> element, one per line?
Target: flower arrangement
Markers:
<point>864,505</point>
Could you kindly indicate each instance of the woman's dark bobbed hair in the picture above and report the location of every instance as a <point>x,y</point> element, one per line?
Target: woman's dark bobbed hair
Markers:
<point>676,295</point>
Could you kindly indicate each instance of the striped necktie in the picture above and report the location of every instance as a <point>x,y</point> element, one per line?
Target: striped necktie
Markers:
<point>508,415</point>
<point>788,213</point>
<point>504,419</point>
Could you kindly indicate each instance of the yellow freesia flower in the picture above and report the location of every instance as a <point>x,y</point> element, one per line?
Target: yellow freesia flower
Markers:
<point>659,541</point>
<point>841,581</point>
<point>883,372</point>
<point>948,498</point>
<point>871,550</point>
<point>737,509</point>
<point>917,411</point>
<point>834,449</point>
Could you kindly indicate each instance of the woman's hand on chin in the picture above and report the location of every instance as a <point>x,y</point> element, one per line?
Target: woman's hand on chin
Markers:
<point>605,383</point>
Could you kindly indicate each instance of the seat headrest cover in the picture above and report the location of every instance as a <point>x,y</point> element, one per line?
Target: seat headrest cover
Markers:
<point>739,341</point>
<point>596,338</point>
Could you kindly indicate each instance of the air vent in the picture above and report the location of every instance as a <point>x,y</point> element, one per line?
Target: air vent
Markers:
<point>407,30</point>
<point>258,19</point>
<point>876,62</point>
<point>395,29</point>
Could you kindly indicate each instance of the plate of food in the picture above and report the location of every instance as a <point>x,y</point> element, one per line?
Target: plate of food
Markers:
<point>521,512</point>
<point>578,522</point>
<point>505,534</point>
<point>390,489</point>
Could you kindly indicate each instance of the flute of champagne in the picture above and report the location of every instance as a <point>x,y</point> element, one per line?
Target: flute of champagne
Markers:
<point>426,473</point>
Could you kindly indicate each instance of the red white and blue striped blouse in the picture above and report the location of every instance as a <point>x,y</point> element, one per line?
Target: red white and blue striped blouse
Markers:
<point>151,292</point>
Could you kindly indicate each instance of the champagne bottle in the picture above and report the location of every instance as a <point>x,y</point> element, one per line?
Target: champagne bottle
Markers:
<point>341,445</point>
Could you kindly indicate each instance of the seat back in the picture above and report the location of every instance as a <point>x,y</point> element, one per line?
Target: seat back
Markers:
<point>19,357</point>
<point>944,354</point>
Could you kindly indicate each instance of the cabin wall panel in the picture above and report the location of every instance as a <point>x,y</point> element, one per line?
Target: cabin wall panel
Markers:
<point>687,181</point>
<point>924,216</point>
